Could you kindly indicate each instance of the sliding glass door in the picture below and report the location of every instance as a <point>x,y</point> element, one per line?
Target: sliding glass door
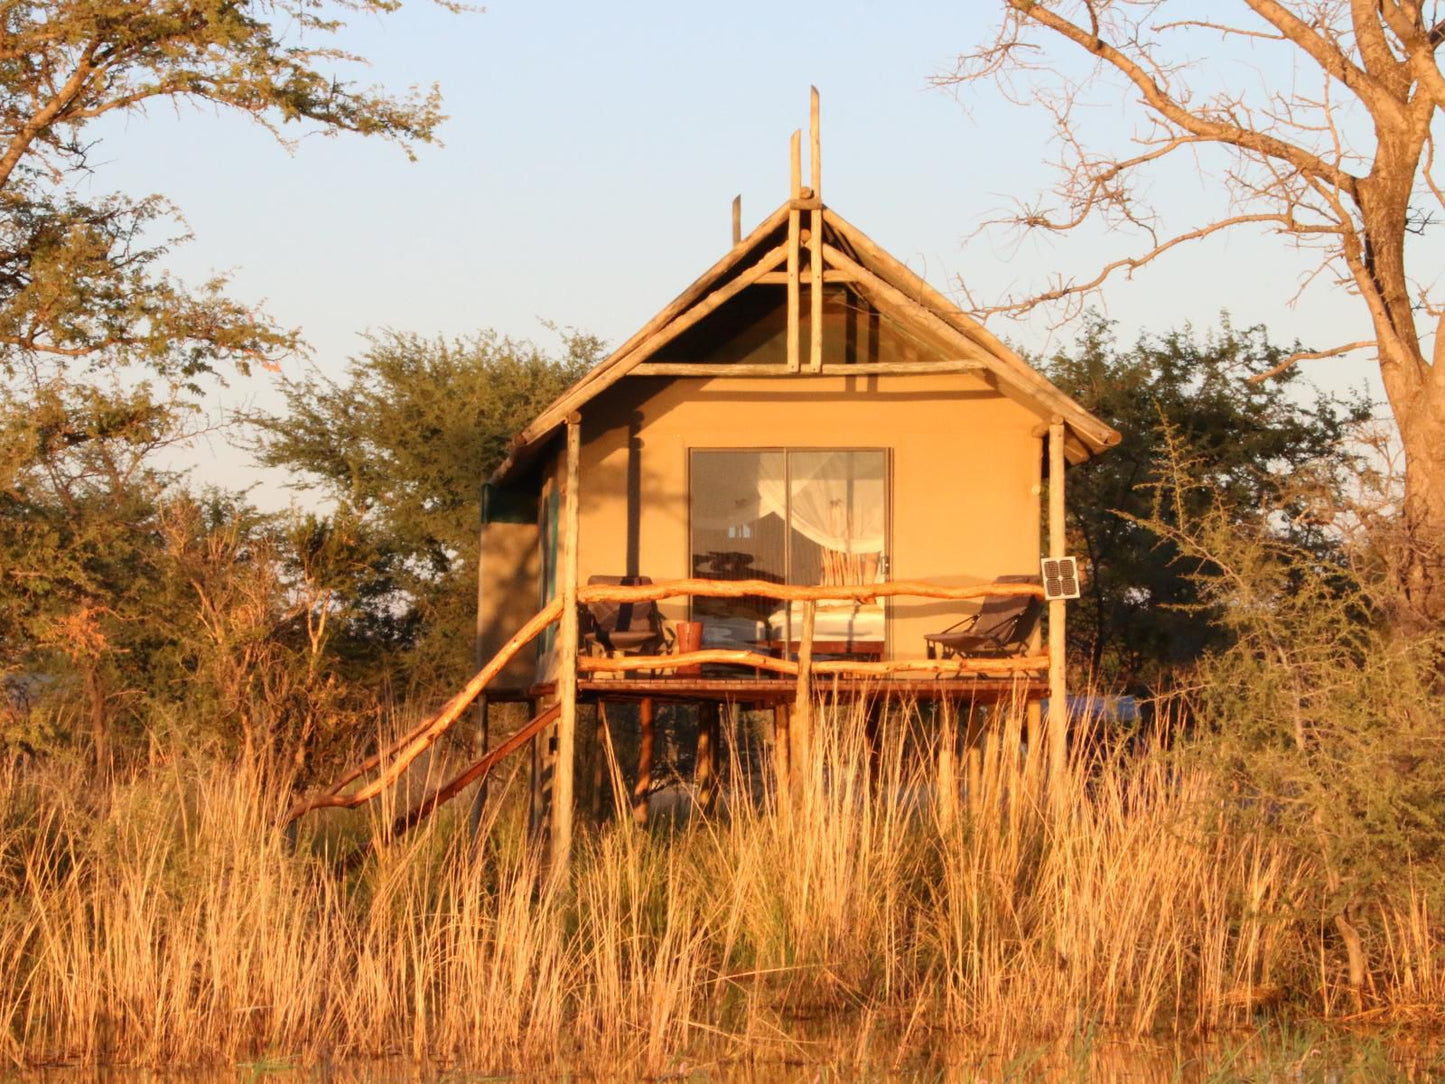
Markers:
<point>799,516</point>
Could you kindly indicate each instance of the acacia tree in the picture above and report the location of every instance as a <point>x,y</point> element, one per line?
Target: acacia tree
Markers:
<point>1267,458</point>
<point>80,278</point>
<point>402,444</point>
<point>87,311</point>
<point>1330,142</point>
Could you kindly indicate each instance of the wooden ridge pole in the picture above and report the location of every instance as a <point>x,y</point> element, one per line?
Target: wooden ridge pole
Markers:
<point>1058,691</point>
<point>737,220</point>
<point>795,229</point>
<point>815,239</point>
<point>565,768</point>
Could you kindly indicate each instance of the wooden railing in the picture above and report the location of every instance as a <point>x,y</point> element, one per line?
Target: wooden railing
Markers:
<point>394,759</point>
<point>809,595</point>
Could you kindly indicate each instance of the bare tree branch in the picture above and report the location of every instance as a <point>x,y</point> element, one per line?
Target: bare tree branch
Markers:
<point>1347,171</point>
<point>1130,264</point>
<point>1309,355</point>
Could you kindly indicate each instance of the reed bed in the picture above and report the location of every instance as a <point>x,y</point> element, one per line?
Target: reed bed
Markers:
<point>938,894</point>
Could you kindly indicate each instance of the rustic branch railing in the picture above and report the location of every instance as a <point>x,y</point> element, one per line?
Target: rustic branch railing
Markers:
<point>399,755</point>
<point>422,736</point>
<point>405,822</point>
<point>758,661</point>
<point>787,592</point>
<point>653,592</point>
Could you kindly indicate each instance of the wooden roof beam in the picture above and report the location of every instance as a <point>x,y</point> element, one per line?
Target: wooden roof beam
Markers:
<point>1026,382</point>
<point>618,367</point>
<point>744,369</point>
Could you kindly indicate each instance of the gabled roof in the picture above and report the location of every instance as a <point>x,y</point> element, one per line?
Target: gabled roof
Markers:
<point>848,254</point>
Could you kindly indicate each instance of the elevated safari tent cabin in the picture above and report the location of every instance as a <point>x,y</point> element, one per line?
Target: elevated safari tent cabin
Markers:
<point>810,417</point>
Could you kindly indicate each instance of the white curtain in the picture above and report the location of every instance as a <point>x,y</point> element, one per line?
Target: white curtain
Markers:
<point>838,499</point>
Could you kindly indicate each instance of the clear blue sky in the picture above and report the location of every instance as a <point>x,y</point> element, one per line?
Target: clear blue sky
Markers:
<point>590,159</point>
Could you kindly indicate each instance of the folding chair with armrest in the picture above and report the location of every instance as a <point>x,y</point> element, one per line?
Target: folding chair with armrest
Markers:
<point>624,628</point>
<point>999,629</point>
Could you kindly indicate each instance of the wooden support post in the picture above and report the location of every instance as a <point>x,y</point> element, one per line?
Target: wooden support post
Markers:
<point>802,729</point>
<point>795,229</point>
<point>562,789</point>
<point>1032,709</point>
<point>782,750</point>
<point>480,737</point>
<point>815,242</point>
<point>737,220</point>
<point>543,774</point>
<point>873,736</point>
<point>600,742</point>
<point>643,787</point>
<point>705,772</point>
<point>1058,690</point>
<point>480,740</point>
<point>947,783</point>
<point>973,744</point>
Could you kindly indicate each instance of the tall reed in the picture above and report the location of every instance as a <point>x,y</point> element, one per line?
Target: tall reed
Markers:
<point>937,890</point>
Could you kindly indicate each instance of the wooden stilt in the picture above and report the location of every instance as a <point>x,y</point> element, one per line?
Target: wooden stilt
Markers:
<point>815,242</point>
<point>544,774</point>
<point>1058,688</point>
<point>705,773</point>
<point>873,735</point>
<point>782,750</point>
<point>643,787</point>
<point>973,742</point>
<point>795,227</point>
<point>802,730</point>
<point>479,657</point>
<point>598,763</point>
<point>991,761</point>
<point>1011,765</point>
<point>562,804</point>
<point>947,770</point>
<point>480,740</point>
<point>617,792</point>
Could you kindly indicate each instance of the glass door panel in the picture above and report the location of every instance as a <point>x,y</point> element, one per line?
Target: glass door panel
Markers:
<point>739,532</point>
<point>838,534</point>
<point>800,517</point>
<point>838,515</point>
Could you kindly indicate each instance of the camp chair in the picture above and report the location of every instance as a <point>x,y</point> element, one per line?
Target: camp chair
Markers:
<point>1001,627</point>
<point>624,628</point>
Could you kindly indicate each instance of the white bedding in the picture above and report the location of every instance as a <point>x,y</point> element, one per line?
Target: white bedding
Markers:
<point>832,621</point>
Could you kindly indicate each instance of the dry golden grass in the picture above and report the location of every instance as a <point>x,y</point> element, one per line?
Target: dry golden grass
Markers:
<point>163,921</point>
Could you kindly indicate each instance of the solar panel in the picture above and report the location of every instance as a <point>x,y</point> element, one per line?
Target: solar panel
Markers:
<point>1061,577</point>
